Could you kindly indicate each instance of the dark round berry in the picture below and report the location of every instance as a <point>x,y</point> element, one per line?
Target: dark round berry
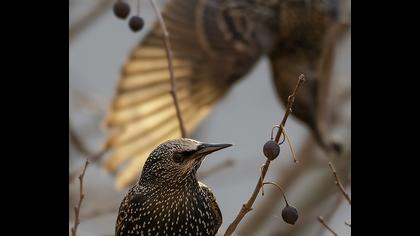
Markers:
<point>121,9</point>
<point>271,150</point>
<point>289,214</point>
<point>136,23</point>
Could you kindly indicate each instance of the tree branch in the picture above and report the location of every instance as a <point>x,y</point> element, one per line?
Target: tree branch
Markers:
<point>331,212</point>
<point>338,183</point>
<point>321,220</point>
<point>170,67</point>
<point>79,204</point>
<point>312,153</point>
<point>247,207</point>
<point>90,159</point>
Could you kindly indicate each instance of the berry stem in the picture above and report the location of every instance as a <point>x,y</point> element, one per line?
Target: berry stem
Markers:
<point>281,190</point>
<point>290,144</point>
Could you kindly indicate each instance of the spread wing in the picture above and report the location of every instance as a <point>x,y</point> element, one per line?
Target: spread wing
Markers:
<point>210,52</point>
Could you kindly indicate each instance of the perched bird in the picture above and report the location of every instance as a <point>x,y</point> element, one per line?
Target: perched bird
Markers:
<point>215,43</point>
<point>168,199</point>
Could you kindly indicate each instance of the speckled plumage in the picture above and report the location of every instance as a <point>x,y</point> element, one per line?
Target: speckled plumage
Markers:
<point>168,199</point>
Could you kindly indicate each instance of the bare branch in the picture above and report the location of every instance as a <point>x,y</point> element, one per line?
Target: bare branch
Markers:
<point>338,183</point>
<point>290,102</point>
<point>348,224</point>
<point>331,212</point>
<point>79,204</point>
<point>247,207</point>
<point>170,67</point>
<point>90,159</point>
<point>321,220</point>
<point>313,154</point>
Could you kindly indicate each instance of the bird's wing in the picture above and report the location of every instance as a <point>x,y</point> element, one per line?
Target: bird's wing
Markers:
<point>129,214</point>
<point>213,203</point>
<point>207,59</point>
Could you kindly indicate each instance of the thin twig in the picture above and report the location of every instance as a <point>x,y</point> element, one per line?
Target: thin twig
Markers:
<point>79,204</point>
<point>247,207</point>
<point>348,224</point>
<point>90,159</point>
<point>290,101</point>
<point>290,144</point>
<point>331,212</point>
<point>170,67</point>
<point>338,183</point>
<point>281,190</point>
<point>321,220</point>
<point>287,177</point>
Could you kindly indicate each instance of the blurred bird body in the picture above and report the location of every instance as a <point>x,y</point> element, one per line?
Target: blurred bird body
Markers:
<point>215,43</point>
<point>168,199</point>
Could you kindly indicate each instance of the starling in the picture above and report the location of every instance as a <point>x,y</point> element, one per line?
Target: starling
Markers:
<point>215,43</point>
<point>168,199</point>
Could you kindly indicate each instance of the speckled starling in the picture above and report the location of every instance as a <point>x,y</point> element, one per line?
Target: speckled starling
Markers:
<point>215,43</point>
<point>168,199</point>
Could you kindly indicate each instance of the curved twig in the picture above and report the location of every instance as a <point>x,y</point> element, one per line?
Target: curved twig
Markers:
<point>170,67</point>
<point>281,190</point>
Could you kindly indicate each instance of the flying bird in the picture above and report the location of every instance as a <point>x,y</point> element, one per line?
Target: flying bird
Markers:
<point>215,43</point>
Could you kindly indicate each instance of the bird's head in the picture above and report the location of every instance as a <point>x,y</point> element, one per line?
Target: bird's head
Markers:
<point>174,161</point>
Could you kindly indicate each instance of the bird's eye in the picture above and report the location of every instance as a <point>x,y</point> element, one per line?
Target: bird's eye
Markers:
<point>178,157</point>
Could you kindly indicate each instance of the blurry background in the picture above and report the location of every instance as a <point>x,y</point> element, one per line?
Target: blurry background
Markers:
<point>244,118</point>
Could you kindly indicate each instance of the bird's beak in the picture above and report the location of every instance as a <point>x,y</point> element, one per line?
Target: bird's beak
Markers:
<point>207,148</point>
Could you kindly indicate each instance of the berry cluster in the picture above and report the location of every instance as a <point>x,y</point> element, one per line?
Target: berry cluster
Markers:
<point>122,10</point>
<point>271,150</point>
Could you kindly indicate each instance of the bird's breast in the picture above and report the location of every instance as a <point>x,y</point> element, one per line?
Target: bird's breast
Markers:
<point>171,212</point>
